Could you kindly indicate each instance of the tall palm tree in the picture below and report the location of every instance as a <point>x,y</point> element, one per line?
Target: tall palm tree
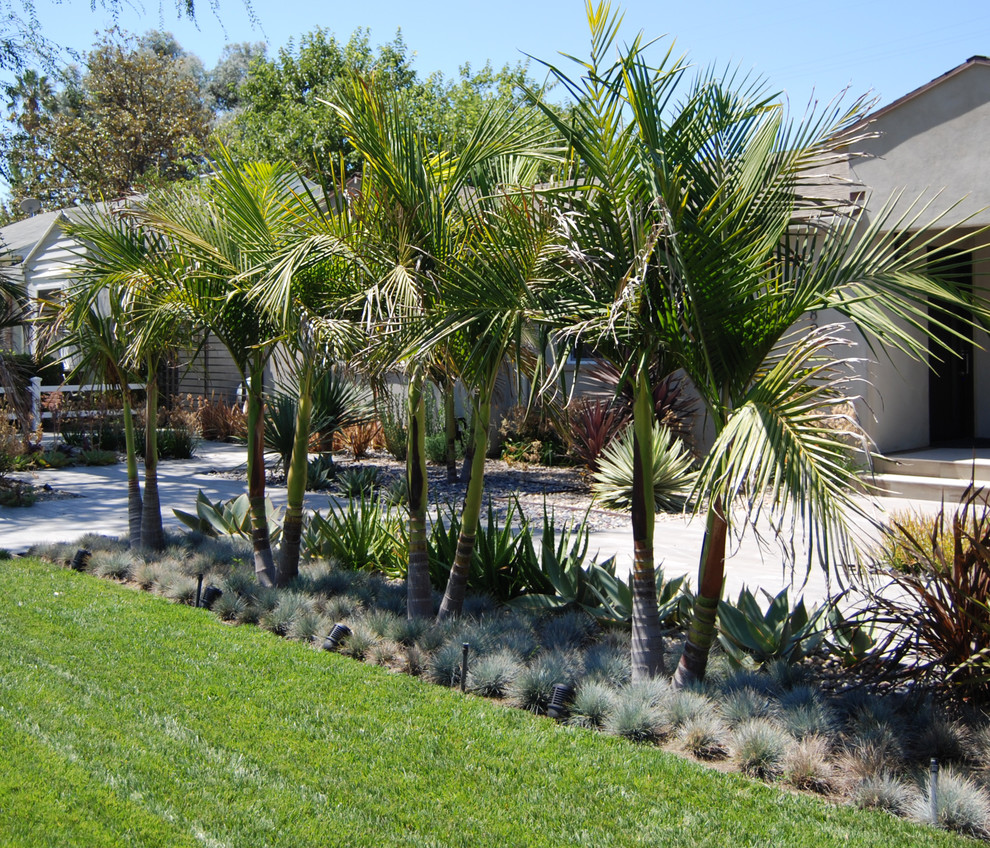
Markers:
<point>229,230</point>
<point>418,193</point>
<point>13,314</point>
<point>92,335</point>
<point>494,291</point>
<point>123,269</point>
<point>737,247</point>
<point>312,292</point>
<point>612,238</point>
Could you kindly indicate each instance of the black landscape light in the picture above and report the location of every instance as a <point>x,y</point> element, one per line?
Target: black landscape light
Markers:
<point>560,696</point>
<point>199,588</point>
<point>80,560</point>
<point>465,647</point>
<point>334,637</point>
<point>211,594</point>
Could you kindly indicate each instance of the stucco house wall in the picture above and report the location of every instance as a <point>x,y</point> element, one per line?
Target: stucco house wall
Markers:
<point>928,149</point>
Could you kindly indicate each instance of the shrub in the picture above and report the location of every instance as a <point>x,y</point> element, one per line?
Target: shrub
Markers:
<point>218,420</point>
<point>229,606</point>
<point>883,791</point>
<point>939,617</point>
<point>392,415</point>
<point>320,473</point>
<point>358,439</point>
<point>779,635</point>
<point>673,476</point>
<point>115,564</point>
<point>98,457</point>
<point>961,805</point>
<point>444,665</point>
<point>941,738</point>
<point>16,493</point>
<point>683,705</point>
<point>357,644</point>
<point>872,751</point>
<point>634,718</point>
<point>180,588</point>
<point>533,685</point>
<point>609,664</point>
<point>807,766</point>
<point>491,676</point>
<point>705,736</point>
<point>593,705</point>
<point>306,626</point>
<point>593,424</point>
<point>567,631</point>
<point>758,748</point>
<point>360,534</point>
<point>673,406</point>
<point>358,482</point>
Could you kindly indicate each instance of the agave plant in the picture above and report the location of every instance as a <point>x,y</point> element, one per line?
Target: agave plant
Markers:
<point>673,474</point>
<point>232,518</point>
<point>750,635</point>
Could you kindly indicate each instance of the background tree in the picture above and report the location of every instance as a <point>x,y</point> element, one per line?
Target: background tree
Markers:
<point>223,83</point>
<point>284,114</point>
<point>132,118</point>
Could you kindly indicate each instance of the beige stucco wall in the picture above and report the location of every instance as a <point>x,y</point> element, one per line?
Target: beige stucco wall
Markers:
<point>934,141</point>
<point>894,410</point>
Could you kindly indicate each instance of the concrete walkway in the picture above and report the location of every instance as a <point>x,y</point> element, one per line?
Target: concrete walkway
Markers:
<point>102,508</point>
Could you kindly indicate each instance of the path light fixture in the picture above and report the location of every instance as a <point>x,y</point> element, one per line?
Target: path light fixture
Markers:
<point>560,698</point>
<point>211,594</point>
<point>334,637</point>
<point>933,790</point>
<point>465,647</point>
<point>81,560</point>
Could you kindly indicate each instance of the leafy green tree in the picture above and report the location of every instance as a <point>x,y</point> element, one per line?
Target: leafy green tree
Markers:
<point>223,84</point>
<point>133,119</point>
<point>284,114</point>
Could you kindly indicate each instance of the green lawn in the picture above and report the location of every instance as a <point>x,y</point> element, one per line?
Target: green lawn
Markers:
<point>127,720</point>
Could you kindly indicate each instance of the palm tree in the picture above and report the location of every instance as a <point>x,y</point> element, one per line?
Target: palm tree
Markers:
<point>123,269</point>
<point>494,290</point>
<point>736,248</point>
<point>92,335</point>
<point>417,197</point>
<point>612,238</point>
<point>309,291</point>
<point>12,378</point>
<point>229,231</point>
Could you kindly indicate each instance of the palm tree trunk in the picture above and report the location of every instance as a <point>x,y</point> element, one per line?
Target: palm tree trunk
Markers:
<point>296,481</point>
<point>647,641</point>
<point>701,633</point>
<point>152,534</point>
<point>453,598</point>
<point>450,429</point>
<point>134,505</point>
<point>264,563</point>
<point>469,452</point>
<point>419,596</point>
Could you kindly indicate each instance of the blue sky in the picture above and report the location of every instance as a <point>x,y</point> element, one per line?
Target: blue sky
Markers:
<point>885,47</point>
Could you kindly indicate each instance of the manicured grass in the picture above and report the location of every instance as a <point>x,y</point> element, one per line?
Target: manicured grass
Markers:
<point>126,720</point>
